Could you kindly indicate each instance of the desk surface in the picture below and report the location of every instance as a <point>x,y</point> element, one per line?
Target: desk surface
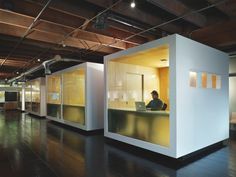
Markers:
<point>145,112</point>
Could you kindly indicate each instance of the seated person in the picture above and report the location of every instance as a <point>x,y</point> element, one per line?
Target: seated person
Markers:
<point>156,103</point>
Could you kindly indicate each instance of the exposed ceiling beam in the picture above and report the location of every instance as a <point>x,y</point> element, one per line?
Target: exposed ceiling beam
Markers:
<point>123,8</point>
<point>61,12</point>
<point>229,7</point>
<point>51,38</point>
<point>177,8</point>
<point>6,74</point>
<point>219,35</point>
<point>20,20</point>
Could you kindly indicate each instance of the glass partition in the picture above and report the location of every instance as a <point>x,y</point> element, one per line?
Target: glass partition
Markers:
<point>74,96</point>
<point>2,96</point>
<point>132,110</point>
<point>28,96</point>
<point>54,96</point>
<point>36,96</point>
<point>19,99</point>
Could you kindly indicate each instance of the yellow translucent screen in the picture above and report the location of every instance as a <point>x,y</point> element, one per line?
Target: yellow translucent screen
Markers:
<point>74,88</point>
<point>53,89</point>
<point>35,91</point>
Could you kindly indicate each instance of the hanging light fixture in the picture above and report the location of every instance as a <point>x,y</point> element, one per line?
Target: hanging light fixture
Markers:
<point>132,4</point>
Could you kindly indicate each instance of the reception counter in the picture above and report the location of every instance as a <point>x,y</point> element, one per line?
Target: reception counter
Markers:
<point>149,126</point>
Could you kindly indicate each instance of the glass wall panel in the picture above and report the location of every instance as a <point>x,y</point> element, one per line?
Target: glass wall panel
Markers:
<point>2,96</point>
<point>28,96</point>
<point>36,96</point>
<point>131,79</point>
<point>74,96</point>
<point>54,96</point>
<point>19,99</point>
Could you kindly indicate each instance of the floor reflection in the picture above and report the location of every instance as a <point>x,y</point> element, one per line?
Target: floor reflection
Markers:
<point>35,147</point>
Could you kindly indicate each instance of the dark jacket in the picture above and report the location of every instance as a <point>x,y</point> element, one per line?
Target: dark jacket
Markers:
<point>155,104</point>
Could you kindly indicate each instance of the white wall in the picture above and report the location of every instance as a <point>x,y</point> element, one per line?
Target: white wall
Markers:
<point>202,114</point>
<point>95,96</point>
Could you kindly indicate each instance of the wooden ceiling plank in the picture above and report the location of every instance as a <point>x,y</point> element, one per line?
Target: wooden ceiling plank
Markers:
<point>47,37</point>
<point>59,12</point>
<point>228,8</point>
<point>178,8</point>
<point>219,35</point>
<point>24,21</point>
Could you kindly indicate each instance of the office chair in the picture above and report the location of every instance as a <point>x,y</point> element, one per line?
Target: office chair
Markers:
<point>164,107</point>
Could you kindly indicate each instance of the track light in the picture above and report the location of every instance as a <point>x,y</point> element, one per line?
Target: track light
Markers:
<point>132,4</point>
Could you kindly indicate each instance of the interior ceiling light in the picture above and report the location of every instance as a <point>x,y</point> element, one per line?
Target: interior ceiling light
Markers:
<point>163,60</point>
<point>17,72</point>
<point>38,59</point>
<point>63,44</point>
<point>132,4</point>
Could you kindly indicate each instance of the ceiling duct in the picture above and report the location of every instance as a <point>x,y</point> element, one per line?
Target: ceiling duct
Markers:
<point>45,65</point>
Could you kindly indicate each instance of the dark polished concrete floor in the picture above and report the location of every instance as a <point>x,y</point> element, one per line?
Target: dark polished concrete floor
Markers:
<point>31,147</point>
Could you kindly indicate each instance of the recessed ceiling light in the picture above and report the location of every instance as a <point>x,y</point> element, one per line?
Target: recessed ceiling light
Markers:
<point>132,4</point>
<point>17,72</point>
<point>38,59</point>
<point>163,60</point>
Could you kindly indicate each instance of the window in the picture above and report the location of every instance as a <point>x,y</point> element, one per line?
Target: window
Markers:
<point>204,80</point>
<point>193,79</point>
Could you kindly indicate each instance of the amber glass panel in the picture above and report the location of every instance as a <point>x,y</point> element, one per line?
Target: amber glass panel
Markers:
<point>74,96</point>
<point>54,96</point>
<point>213,78</point>
<point>204,80</point>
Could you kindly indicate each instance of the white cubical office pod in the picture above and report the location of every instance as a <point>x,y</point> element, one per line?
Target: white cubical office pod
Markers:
<point>191,78</point>
<point>34,96</point>
<point>75,96</point>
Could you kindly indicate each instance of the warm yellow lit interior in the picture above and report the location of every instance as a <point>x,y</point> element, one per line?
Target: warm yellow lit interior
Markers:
<point>35,91</point>
<point>2,96</point>
<point>74,88</point>
<point>132,78</point>
<point>53,89</point>
<point>155,57</point>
